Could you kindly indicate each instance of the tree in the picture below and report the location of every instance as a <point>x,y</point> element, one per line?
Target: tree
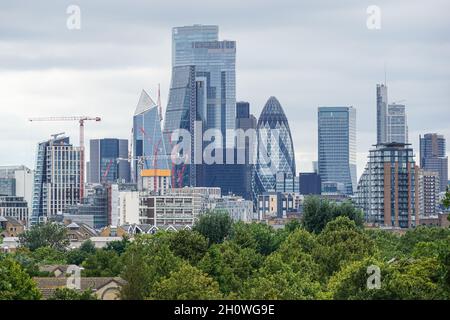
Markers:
<point>146,261</point>
<point>118,246</point>
<point>47,234</point>
<point>77,256</point>
<point>189,245</point>
<point>317,212</point>
<point>387,244</point>
<point>187,283</point>
<point>261,237</point>
<point>446,201</point>
<point>48,255</point>
<point>15,283</point>
<point>405,279</point>
<point>341,242</point>
<point>71,294</point>
<point>422,234</point>
<point>230,265</point>
<point>214,226</point>
<point>102,263</point>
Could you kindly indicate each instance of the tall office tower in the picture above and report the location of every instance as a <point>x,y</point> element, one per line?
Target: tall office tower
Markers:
<point>215,70</point>
<point>310,183</point>
<point>388,191</point>
<point>397,124</point>
<point>236,177</point>
<point>109,161</point>
<point>57,178</point>
<point>337,146</point>
<point>382,105</point>
<point>433,156</point>
<point>149,147</point>
<point>429,189</point>
<point>275,153</point>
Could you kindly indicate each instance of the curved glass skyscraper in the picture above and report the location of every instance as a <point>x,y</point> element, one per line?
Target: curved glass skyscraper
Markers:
<point>275,154</point>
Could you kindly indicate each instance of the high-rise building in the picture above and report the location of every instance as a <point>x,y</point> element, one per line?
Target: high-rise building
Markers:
<point>57,178</point>
<point>149,147</point>
<point>14,207</point>
<point>433,156</point>
<point>17,181</point>
<point>388,191</point>
<point>337,146</point>
<point>310,183</point>
<point>397,124</point>
<point>429,189</point>
<point>215,69</point>
<point>382,105</point>
<point>275,151</point>
<point>109,161</point>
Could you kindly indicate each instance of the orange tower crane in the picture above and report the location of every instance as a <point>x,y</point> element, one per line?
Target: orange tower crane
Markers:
<point>81,120</point>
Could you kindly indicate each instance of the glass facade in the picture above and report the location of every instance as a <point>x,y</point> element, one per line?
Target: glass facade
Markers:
<point>215,68</point>
<point>337,146</point>
<point>275,152</point>
<point>149,149</point>
<point>433,157</point>
<point>397,124</point>
<point>56,179</point>
<point>108,161</point>
<point>382,105</point>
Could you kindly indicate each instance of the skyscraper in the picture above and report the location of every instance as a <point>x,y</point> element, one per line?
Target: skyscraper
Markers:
<point>215,69</point>
<point>382,105</point>
<point>57,178</point>
<point>397,124</point>
<point>388,191</point>
<point>429,189</point>
<point>275,153</point>
<point>203,90</point>
<point>109,161</point>
<point>149,147</point>
<point>433,156</point>
<point>337,146</point>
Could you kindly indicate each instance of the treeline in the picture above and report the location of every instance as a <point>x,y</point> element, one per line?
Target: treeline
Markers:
<point>326,256</point>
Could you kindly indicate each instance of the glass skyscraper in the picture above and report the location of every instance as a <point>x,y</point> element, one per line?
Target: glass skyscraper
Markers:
<point>382,105</point>
<point>149,149</point>
<point>109,161</point>
<point>433,156</point>
<point>337,146</point>
<point>397,124</point>
<point>203,88</point>
<point>275,153</point>
<point>56,179</point>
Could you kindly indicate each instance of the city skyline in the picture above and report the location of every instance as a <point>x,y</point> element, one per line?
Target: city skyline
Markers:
<point>89,80</point>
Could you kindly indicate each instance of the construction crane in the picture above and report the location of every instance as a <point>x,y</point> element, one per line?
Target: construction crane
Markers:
<point>81,120</point>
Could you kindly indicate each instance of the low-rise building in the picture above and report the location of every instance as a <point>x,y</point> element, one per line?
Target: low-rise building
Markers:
<point>14,207</point>
<point>238,208</point>
<point>10,227</point>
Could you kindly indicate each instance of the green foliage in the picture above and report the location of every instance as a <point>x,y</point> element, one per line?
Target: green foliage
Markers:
<point>147,260</point>
<point>214,226</point>
<point>230,265</point>
<point>187,283</point>
<point>422,234</point>
<point>317,212</point>
<point>71,294</point>
<point>15,283</point>
<point>342,242</point>
<point>406,279</point>
<point>45,235</point>
<point>48,255</point>
<point>260,237</point>
<point>102,263</point>
<point>118,246</point>
<point>189,245</point>
<point>446,201</point>
<point>387,244</point>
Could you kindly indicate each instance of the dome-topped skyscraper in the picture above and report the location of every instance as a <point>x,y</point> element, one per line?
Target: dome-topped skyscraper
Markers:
<point>275,153</point>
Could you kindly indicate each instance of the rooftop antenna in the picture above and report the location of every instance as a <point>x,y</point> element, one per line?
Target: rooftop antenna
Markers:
<point>385,82</point>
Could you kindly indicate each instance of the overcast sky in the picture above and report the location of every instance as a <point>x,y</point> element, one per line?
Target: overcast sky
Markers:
<point>306,53</point>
